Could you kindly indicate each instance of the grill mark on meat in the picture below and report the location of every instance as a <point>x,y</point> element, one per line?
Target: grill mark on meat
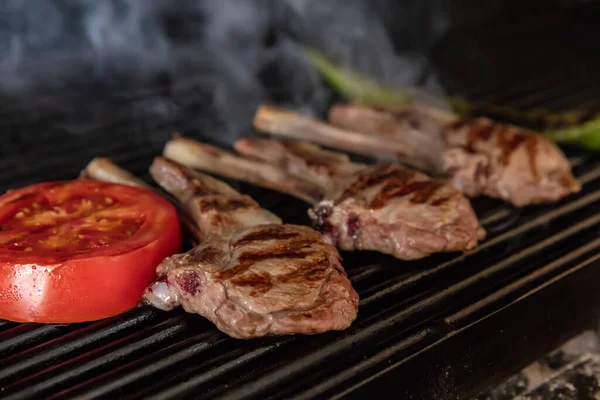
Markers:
<point>423,195</point>
<point>440,201</point>
<point>311,271</point>
<point>531,146</point>
<point>509,139</point>
<point>372,177</point>
<point>479,130</point>
<point>258,282</point>
<point>266,234</point>
<point>189,282</point>
<point>317,162</point>
<point>482,170</point>
<point>291,250</point>
<point>460,123</point>
<point>224,204</point>
<point>200,189</point>
<point>423,190</point>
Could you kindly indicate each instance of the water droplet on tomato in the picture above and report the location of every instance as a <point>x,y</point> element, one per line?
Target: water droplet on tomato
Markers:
<point>56,282</point>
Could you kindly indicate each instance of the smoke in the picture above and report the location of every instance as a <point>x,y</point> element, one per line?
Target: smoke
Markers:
<point>204,64</point>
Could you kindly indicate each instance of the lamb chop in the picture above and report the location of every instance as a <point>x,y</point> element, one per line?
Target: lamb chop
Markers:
<point>383,207</point>
<point>477,155</point>
<point>252,275</point>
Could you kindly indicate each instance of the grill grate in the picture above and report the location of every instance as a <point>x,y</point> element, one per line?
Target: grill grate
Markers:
<point>405,307</point>
<point>444,326</point>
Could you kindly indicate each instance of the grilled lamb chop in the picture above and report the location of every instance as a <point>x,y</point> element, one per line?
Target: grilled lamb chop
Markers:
<point>251,275</point>
<point>477,155</point>
<point>382,207</point>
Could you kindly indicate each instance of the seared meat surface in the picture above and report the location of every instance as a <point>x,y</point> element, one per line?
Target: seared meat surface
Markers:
<point>384,207</point>
<point>251,275</point>
<point>216,207</point>
<point>265,279</point>
<point>477,155</point>
<point>507,162</point>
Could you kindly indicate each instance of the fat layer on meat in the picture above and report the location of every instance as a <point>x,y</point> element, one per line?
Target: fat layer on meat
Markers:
<point>251,275</point>
<point>383,207</point>
<point>477,155</point>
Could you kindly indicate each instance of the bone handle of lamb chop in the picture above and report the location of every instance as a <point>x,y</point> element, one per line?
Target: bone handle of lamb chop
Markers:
<point>212,159</point>
<point>103,169</point>
<point>422,151</point>
<point>292,125</point>
<point>300,159</point>
<point>419,131</point>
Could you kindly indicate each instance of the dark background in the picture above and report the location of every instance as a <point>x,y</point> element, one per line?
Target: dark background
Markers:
<point>204,66</point>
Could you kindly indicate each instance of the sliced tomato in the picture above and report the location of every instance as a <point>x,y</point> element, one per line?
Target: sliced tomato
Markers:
<point>80,250</point>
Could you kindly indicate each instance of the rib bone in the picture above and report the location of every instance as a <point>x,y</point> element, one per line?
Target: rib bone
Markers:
<point>280,122</point>
<point>211,159</point>
<point>300,159</point>
<point>103,169</point>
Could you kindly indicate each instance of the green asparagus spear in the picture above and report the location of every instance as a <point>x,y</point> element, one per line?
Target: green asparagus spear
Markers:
<point>354,86</point>
<point>586,134</point>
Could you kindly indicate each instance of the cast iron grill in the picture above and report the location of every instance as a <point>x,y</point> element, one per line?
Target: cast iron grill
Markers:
<point>407,308</point>
<point>446,326</point>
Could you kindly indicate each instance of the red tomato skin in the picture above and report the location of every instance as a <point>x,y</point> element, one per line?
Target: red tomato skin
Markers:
<point>84,289</point>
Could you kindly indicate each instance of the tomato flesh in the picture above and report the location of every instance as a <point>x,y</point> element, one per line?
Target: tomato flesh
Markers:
<point>80,250</point>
